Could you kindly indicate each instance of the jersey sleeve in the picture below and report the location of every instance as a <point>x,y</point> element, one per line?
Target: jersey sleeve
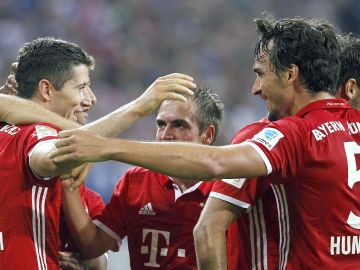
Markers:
<point>35,136</point>
<point>242,192</point>
<point>281,145</point>
<point>112,220</point>
<point>94,203</point>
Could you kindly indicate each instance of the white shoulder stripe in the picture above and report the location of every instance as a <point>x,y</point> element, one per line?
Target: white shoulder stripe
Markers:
<point>262,155</point>
<point>109,231</point>
<point>231,200</point>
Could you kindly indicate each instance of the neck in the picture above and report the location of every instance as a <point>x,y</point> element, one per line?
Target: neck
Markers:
<point>306,98</point>
<point>184,184</point>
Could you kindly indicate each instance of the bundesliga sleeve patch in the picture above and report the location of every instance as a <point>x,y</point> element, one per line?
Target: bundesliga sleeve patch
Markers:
<point>268,137</point>
<point>238,183</point>
<point>45,131</point>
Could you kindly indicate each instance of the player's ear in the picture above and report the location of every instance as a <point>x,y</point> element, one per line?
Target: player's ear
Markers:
<point>208,135</point>
<point>350,89</point>
<point>44,89</point>
<point>293,73</point>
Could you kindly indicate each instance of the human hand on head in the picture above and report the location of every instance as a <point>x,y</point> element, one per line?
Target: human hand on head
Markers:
<point>10,87</point>
<point>175,86</point>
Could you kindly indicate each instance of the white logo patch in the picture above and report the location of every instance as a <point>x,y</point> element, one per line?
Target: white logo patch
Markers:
<point>238,183</point>
<point>44,131</point>
<point>268,137</point>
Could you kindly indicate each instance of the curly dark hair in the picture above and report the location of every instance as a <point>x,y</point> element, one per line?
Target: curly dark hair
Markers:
<point>48,58</point>
<point>349,58</point>
<point>311,45</point>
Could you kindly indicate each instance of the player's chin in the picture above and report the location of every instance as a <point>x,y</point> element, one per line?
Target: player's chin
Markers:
<point>81,117</point>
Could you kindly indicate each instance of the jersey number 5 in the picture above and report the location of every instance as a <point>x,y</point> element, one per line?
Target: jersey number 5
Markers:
<point>351,149</point>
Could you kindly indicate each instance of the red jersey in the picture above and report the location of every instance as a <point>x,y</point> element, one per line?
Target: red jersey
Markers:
<point>93,204</point>
<point>157,218</point>
<point>316,156</point>
<point>253,240</point>
<point>30,205</point>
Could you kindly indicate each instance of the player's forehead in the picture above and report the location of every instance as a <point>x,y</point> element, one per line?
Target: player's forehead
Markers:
<point>174,110</point>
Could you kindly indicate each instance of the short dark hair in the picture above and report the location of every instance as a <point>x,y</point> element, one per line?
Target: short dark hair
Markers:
<point>51,59</point>
<point>311,45</point>
<point>349,58</point>
<point>209,109</point>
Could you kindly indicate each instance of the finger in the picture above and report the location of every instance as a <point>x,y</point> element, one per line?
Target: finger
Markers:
<point>83,173</point>
<point>177,75</point>
<point>11,81</point>
<point>182,82</point>
<point>66,176</point>
<point>77,183</point>
<point>66,133</point>
<point>61,152</point>
<point>179,89</point>
<point>174,96</point>
<point>14,67</point>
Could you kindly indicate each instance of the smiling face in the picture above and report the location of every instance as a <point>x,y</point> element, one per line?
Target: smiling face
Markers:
<point>75,98</point>
<point>273,89</point>
<point>176,121</point>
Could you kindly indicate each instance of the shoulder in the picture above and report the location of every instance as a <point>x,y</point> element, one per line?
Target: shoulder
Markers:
<point>249,131</point>
<point>139,171</point>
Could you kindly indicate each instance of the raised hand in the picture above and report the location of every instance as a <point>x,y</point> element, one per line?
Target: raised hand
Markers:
<point>175,86</point>
<point>10,87</point>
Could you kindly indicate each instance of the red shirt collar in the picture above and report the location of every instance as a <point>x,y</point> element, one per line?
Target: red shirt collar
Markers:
<point>204,187</point>
<point>323,104</point>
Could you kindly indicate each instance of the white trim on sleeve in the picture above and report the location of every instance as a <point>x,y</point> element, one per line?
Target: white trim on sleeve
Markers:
<point>39,144</point>
<point>244,205</point>
<point>262,155</point>
<point>108,231</point>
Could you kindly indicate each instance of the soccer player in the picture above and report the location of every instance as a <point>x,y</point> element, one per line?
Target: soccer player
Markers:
<point>55,75</point>
<point>157,213</point>
<point>261,241</point>
<point>312,153</point>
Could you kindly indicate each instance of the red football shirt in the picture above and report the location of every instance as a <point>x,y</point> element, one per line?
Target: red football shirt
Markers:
<point>93,204</point>
<point>30,206</point>
<point>316,155</point>
<point>253,240</point>
<point>148,208</point>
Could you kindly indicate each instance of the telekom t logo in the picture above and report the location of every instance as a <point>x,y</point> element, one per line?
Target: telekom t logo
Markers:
<point>155,234</point>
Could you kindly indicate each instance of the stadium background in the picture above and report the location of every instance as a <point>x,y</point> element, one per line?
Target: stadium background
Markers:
<point>134,42</point>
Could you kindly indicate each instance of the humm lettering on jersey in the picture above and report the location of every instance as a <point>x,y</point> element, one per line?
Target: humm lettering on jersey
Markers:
<point>345,245</point>
<point>327,128</point>
<point>268,137</point>
<point>11,130</point>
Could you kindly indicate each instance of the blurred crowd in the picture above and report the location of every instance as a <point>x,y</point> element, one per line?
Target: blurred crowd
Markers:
<point>134,42</point>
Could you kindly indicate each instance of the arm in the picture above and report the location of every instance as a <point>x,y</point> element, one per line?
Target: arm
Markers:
<point>209,234</point>
<point>174,86</point>
<point>183,160</point>
<point>89,238</point>
<point>15,110</point>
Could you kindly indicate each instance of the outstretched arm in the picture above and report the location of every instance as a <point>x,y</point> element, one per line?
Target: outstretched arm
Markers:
<point>183,160</point>
<point>209,234</point>
<point>174,86</point>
